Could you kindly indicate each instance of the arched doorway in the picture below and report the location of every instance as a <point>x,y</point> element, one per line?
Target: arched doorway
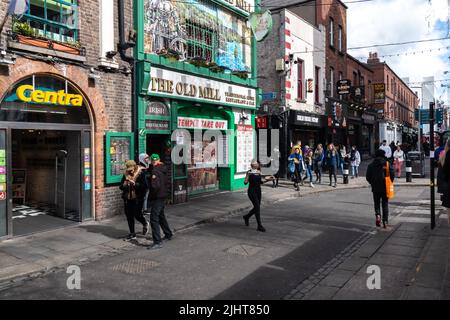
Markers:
<point>45,155</point>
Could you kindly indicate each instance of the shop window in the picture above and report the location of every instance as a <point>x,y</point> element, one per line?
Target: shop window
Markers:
<point>53,19</point>
<point>44,99</point>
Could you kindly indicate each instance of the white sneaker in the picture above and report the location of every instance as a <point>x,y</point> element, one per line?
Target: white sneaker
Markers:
<point>311,185</point>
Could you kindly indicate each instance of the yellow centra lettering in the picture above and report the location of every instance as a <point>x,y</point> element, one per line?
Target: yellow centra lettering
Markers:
<point>50,97</point>
<point>38,96</point>
<point>20,92</point>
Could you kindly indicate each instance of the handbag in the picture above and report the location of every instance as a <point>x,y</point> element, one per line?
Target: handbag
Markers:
<point>389,184</point>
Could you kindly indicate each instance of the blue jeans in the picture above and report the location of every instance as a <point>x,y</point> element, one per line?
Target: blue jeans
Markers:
<point>341,166</point>
<point>309,173</point>
<point>354,170</point>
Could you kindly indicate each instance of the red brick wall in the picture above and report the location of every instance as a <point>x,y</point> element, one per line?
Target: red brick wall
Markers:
<point>334,59</point>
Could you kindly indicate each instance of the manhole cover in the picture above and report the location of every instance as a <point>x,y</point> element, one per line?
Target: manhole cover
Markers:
<point>244,250</point>
<point>135,266</point>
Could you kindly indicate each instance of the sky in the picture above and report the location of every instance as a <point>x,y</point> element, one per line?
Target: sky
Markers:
<point>391,21</point>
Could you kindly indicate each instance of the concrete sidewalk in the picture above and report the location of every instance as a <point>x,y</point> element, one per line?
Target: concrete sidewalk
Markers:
<point>413,260</point>
<point>27,257</point>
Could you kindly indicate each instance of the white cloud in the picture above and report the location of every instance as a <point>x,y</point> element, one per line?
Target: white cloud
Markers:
<point>388,21</point>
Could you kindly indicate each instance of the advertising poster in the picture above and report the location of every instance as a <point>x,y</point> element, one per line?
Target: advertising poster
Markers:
<point>202,172</point>
<point>119,154</point>
<point>244,147</point>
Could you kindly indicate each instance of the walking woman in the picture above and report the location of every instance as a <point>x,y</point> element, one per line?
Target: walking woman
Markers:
<point>309,166</point>
<point>332,160</point>
<point>297,158</point>
<point>444,164</point>
<point>254,179</point>
<point>133,188</point>
<point>399,157</point>
<point>318,161</point>
<point>376,176</point>
<point>355,159</point>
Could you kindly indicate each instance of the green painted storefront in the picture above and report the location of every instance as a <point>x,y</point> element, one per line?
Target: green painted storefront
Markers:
<point>160,109</point>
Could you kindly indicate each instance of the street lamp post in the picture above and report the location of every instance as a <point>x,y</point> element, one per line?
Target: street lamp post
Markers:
<point>432,207</point>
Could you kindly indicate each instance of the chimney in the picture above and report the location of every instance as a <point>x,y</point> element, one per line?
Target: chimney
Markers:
<point>373,58</point>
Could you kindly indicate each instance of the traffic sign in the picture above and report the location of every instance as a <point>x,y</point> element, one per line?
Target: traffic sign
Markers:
<point>269,96</point>
<point>2,195</point>
<point>425,116</point>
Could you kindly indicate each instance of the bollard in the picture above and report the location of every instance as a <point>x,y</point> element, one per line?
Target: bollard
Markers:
<point>408,170</point>
<point>346,166</point>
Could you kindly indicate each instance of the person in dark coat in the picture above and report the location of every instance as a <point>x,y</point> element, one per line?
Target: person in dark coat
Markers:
<point>133,188</point>
<point>444,178</point>
<point>375,175</point>
<point>255,179</point>
<point>332,160</point>
<point>157,196</point>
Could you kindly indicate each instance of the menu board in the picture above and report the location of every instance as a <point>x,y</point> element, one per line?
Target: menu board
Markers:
<point>119,152</point>
<point>244,147</point>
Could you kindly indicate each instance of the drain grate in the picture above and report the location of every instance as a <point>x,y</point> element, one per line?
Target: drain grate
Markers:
<point>244,250</point>
<point>135,266</point>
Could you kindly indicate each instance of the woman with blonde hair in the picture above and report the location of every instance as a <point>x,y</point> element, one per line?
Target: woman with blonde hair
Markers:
<point>133,188</point>
<point>444,177</point>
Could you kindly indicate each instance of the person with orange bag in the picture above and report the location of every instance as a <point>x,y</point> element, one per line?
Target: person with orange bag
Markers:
<point>376,175</point>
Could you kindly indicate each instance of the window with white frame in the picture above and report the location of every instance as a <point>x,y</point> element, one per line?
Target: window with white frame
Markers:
<point>332,82</point>
<point>340,47</point>
<point>331,29</point>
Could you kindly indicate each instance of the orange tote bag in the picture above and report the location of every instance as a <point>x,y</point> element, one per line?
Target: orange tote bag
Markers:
<point>389,183</point>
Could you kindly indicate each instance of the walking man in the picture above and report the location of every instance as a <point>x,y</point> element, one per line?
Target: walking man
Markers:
<point>375,175</point>
<point>157,200</point>
<point>387,150</point>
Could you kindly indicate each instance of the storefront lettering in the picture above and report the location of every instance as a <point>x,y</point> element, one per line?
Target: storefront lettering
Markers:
<point>241,4</point>
<point>194,123</point>
<point>26,93</point>
<point>184,89</point>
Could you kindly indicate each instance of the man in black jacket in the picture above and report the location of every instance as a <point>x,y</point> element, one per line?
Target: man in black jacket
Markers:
<point>375,175</point>
<point>157,199</point>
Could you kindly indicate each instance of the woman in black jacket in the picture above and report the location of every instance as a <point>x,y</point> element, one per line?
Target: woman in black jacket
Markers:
<point>255,180</point>
<point>133,186</point>
<point>444,178</point>
<point>375,175</point>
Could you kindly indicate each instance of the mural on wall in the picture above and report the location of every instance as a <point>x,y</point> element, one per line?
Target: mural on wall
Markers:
<point>197,30</point>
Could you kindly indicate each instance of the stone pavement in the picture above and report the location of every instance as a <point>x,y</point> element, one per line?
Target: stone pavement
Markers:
<point>26,257</point>
<point>413,260</point>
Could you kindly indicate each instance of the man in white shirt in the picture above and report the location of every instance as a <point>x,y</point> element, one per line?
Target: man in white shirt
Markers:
<point>387,150</point>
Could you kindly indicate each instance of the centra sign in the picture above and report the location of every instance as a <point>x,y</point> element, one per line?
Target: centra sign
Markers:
<point>27,93</point>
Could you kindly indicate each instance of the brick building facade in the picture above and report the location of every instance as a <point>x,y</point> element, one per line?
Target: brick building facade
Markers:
<point>90,68</point>
<point>396,114</point>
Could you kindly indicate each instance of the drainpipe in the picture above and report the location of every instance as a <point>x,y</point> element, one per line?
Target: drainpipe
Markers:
<point>123,46</point>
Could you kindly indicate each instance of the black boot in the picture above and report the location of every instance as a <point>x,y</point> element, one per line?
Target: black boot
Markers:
<point>246,218</point>
<point>261,228</point>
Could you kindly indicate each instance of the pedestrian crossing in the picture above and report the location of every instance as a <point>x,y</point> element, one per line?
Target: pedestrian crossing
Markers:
<point>417,211</point>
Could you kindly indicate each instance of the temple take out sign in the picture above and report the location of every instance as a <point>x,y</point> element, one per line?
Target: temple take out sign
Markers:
<point>198,123</point>
<point>27,93</point>
<point>170,83</point>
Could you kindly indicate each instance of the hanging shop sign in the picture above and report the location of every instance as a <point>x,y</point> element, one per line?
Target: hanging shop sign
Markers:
<point>197,123</point>
<point>27,93</point>
<point>368,118</point>
<point>343,86</point>
<point>261,24</point>
<point>379,93</point>
<point>175,84</point>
